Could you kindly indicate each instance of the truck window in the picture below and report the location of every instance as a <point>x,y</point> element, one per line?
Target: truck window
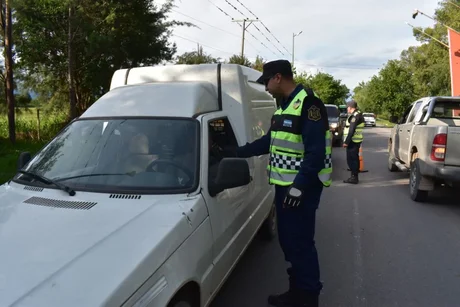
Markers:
<point>221,136</point>
<point>446,109</point>
<point>414,111</point>
<point>405,115</point>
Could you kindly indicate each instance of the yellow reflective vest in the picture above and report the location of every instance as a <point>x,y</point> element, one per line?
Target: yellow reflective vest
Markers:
<point>287,148</point>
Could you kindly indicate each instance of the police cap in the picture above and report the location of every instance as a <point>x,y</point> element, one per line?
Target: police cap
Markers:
<point>270,69</point>
<point>352,104</point>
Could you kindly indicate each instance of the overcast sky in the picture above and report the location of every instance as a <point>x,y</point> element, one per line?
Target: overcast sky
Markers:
<point>350,39</point>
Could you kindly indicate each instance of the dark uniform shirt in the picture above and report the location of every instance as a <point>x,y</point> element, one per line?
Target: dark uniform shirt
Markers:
<point>313,135</point>
<point>354,121</point>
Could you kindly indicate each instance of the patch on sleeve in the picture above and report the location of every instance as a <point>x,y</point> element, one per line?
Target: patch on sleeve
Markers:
<point>314,113</point>
<point>353,119</point>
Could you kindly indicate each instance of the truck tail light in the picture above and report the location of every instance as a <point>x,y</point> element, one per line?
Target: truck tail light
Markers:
<point>438,149</point>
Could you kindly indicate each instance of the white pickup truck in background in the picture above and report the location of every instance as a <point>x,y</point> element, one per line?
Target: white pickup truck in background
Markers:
<point>426,142</point>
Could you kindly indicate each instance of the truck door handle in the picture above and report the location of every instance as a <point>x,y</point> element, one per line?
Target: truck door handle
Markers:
<point>408,130</point>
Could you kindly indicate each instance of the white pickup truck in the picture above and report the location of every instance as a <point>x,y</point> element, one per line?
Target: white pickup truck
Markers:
<point>129,206</point>
<point>426,142</point>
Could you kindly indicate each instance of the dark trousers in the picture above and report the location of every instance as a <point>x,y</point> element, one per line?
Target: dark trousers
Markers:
<point>353,157</point>
<point>296,232</point>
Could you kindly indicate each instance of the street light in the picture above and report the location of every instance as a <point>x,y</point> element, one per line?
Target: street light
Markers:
<point>416,12</point>
<point>293,37</point>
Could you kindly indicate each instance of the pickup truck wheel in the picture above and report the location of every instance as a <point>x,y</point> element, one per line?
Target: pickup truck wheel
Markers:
<point>414,183</point>
<point>391,165</point>
<point>269,228</point>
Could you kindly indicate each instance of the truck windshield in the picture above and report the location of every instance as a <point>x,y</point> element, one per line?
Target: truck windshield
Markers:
<point>143,155</point>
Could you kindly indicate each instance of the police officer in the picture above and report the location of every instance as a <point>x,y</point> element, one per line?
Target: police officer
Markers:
<point>299,144</point>
<point>353,138</point>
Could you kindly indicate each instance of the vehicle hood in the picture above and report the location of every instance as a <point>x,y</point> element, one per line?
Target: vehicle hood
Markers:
<point>333,120</point>
<point>58,250</point>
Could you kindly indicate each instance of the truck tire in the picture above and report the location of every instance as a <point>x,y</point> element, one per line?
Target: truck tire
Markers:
<point>391,165</point>
<point>414,182</point>
<point>269,228</point>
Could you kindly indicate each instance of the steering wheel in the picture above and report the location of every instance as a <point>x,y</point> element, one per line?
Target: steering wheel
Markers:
<point>171,163</point>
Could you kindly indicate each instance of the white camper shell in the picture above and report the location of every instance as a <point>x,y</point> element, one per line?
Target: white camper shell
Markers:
<point>129,206</point>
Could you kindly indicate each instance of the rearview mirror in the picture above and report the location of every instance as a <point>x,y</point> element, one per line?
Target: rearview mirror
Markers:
<point>24,158</point>
<point>232,173</point>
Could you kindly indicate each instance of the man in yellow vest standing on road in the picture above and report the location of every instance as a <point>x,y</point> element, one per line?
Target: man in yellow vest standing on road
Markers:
<point>352,140</point>
<point>299,145</point>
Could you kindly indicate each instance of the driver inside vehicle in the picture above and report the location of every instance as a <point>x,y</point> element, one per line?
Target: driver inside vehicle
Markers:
<point>139,156</point>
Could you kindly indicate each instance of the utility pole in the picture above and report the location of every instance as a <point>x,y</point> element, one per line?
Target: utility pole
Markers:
<point>293,38</point>
<point>245,27</point>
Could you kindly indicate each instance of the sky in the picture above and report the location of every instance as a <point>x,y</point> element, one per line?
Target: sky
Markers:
<point>349,39</point>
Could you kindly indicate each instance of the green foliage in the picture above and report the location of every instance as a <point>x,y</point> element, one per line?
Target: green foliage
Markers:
<point>258,64</point>
<point>196,57</point>
<point>329,89</point>
<point>237,59</point>
<point>420,71</point>
<point>108,35</point>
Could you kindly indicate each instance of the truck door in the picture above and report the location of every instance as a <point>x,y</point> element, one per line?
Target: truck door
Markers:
<point>405,132</point>
<point>229,209</point>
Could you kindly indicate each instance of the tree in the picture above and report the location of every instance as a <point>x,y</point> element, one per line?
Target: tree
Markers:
<point>329,89</point>
<point>80,43</point>
<point>237,59</point>
<point>420,71</point>
<point>196,57</point>
<point>258,64</point>
<point>6,25</point>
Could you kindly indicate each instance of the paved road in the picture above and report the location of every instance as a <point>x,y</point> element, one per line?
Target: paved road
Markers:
<point>376,246</point>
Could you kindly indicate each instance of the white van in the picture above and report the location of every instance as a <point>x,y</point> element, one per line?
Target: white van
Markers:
<point>122,207</point>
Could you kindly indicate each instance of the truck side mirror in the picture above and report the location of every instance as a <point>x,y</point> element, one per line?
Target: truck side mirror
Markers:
<point>232,173</point>
<point>24,158</point>
<point>393,119</point>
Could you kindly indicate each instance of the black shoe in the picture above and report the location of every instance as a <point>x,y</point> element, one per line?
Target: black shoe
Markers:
<point>293,298</point>
<point>281,300</point>
<point>352,180</point>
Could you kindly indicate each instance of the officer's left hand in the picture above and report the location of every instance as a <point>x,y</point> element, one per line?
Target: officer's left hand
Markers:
<point>345,145</point>
<point>293,198</point>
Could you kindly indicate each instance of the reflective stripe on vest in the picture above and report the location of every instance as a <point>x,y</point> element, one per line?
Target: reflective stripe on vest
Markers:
<point>287,148</point>
<point>358,135</point>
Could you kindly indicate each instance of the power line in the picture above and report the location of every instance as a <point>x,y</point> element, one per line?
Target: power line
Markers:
<point>255,26</point>
<point>194,41</point>
<point>240,25</point>
<point>266,28</point>
<point>212,26</point>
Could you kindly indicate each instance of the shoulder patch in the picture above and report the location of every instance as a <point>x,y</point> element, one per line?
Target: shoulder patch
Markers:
<point>296,104</point>
<point>353,119</point>
<point>314,113</point>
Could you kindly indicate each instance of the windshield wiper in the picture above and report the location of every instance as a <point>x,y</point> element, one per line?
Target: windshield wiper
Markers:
<point>94,175</point>
<point>49,181</point>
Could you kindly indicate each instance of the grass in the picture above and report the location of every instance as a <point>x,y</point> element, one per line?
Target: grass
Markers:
<point>9,155</point>
<point>385,123</point>
<point>28,135</point>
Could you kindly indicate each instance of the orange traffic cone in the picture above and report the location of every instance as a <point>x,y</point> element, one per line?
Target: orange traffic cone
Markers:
<point>361,160</point>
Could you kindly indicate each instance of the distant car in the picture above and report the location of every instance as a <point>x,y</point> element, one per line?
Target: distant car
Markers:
<point>335,124</point>
<point>369,119</point>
